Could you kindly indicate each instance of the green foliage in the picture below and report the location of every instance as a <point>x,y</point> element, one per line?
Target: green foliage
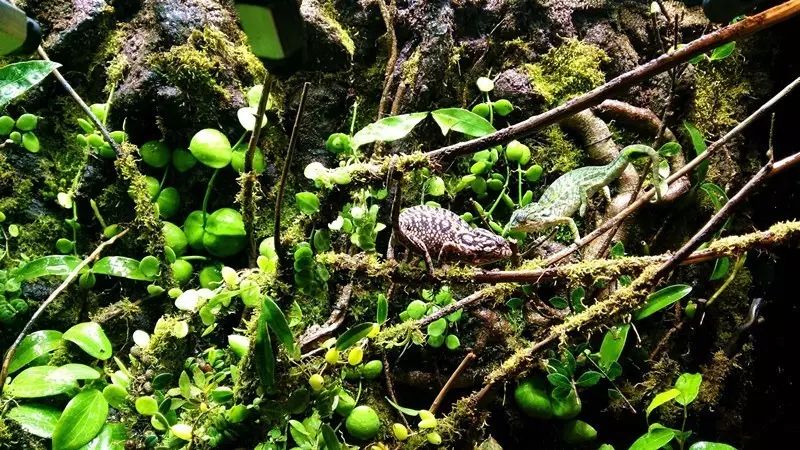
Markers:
<point>661,299</point>
<point>18,78</point>
<point>311,278</point>
<point>567,70</point>
<point>82,420</point>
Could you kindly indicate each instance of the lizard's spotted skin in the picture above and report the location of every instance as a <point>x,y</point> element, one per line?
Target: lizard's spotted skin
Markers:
<point>442,234</point>
<point>570,193</point>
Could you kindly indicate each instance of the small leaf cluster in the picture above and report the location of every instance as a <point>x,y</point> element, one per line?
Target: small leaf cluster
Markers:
<point>91,138</point>
<point>310,277</point>
<point>359,219</point>
<point>441,331</point>
<point>83,419</point>
<point>21,131</point>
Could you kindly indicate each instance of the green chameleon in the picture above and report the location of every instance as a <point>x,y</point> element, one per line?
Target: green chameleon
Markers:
<point>570,193</point>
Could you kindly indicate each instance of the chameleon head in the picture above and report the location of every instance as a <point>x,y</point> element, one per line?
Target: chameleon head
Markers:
<point>481,246</point>
<point>531,218</point>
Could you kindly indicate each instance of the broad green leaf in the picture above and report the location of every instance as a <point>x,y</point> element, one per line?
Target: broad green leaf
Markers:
<point>277,322</point>
<point>661,299</point>
<point>91,338</point>
<point>120,266</point>
<point>613,344</point>
<point>38,420</point>
<point>589,378</point>
<point>353,335</point>
<point>264,356</point>
<point>435,187</point>
<point>722,52</point>
<point>40,381</point>
<point>55,265</point>
<point>654,439</point>
<point>705,445</point>
<point>716,194</point>
<point>111,437</point>
<point>388,129</point>
<point>576,299</point>
<point>329,436</point>
<point>669,149</point>
<point>699,145</point>
<point>307,202</point>
<point>557,379</point>
<point>17,78</point>
<point>721,268</point>
<point>33,346</point>
<point>662,398</point>
<point>689,386</point>
<point>402,409</point>
<point>437,328</point>
<point>383,309</point>
<point>462,121</point>
<point>77,372</point>
<point>82,420</point>
<point>559,302</point>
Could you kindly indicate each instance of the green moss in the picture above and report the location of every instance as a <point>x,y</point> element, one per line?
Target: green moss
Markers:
<point>566,71</point>
<point>719,94</point>
<point>204,63</point>
<point>146,218</point>
<point>39,237</point>
<point>329,14</point>
<point>410,68</point>
<point>559,154</point>
<point>110,54</point>
<point>166,351</point>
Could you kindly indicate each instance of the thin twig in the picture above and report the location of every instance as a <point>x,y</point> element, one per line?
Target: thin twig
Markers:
<point>387,371</point>
<point>53,295</point>
<point>67,87</point>
<point>248,199</point>
<point>446,388</point>
<point>285,172</point>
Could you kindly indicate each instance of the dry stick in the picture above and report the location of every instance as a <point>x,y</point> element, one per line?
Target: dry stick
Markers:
<point>663,63</point>
<point>388,21</point>
<point>449,384</point>
<point>67,87</point>
<point>285,172</point>
<point>248,202</point>
<point>70,278</point>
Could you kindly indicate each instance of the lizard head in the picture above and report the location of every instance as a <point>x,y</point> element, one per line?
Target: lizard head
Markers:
<point>480,246</point>
<point>530,218</point>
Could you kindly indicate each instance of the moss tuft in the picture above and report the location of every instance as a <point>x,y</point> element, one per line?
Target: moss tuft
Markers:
<point>205,61</point>
<point>559,154</point>
<point>146,216</point>
<point>566,71</point>
<point>719,94</point>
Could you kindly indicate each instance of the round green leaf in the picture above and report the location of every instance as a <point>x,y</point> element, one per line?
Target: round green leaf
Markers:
<point>81,421</point>
<point>91,338</point>
<point>211,148</point>
<point>146,406</point>
<point>437,328</point>
<point>307,202</point>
